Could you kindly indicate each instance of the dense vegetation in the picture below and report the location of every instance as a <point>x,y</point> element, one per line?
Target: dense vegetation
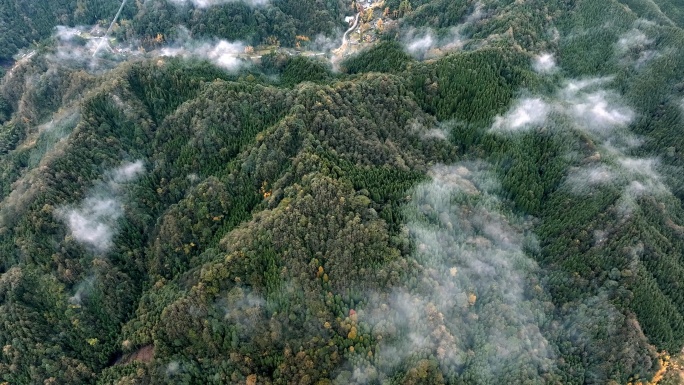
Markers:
<point>400,221</point>
<point>277,23</point>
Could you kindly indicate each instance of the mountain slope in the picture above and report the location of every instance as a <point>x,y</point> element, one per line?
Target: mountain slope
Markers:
<point>489,194</point>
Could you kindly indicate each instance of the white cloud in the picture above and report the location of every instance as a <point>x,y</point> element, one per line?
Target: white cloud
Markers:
<point>573,86</point>
<point>595,111</point>
<point>211,3</point>
<point>633,40</point>
<point>418,128</point>
<point>223,53</point>
<point>128,171</point>
<point>583,179</point>
<point>469,260</point>
<point>526,113</point>
<point>643,167</point>
<point>634,48</point>
<point>544,63</point>
<point>93,222</point>
<point>591,109</point>
<point>420,45</point>
<point>65,33</point>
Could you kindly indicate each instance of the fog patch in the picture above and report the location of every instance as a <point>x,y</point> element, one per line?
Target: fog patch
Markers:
<point>588,107</point>
<point>526,113</point>
<point>596,317</point>
<point>477,14</point>
<point>93,222</point>
<point>635,176</point>
<point>644,167</point>
<point>82,289</point>
<point>49,137</point>
<point>435,133</point>
<point>243,308</point>
<point>420,45</point>
<point>65,33</point>
<point>633,39</point>
<point>582,180</point>
<point>471,307</point>
<point>211,3</point>
<point>640,176</point>
<point>222,53</point>
<point>635,48</point>
<point>440,133</point>
<point>544,63</point>
<point>554,34</point>
<point>573,86</point>
<point>635,189</point>
<point>322,43</point>
<point>426,44</point>
<point>173,368</point>
<point>128,172</point>
<point>596,111</point>
<point>89,48</point>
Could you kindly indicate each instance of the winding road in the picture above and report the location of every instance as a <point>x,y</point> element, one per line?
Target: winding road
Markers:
<point>344,37</point>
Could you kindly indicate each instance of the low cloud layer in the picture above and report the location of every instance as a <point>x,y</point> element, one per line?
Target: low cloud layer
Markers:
<point>425,43</point>
<point>635,48</point>
<point>440,132</point>
<point>86,47</point>
<point>544,63</point>
<point>634,39</point>
<point>634,176</point>
<point>128,172</point>
<point>211,3</point>
<point>93,221</point>
<point>526,113</point>
<point>420,45</point>
<point>472,304</point>
<point>596,111</point>
<point>588,107</point>
<point>222,53</point>
<point>580,180</point>
<point>65,33</point>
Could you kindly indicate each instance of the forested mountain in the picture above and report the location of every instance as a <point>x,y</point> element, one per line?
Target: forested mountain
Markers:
<point>456,192</point>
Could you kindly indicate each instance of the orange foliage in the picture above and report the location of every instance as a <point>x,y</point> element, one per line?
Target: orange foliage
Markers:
<point>665,364</point>
<point>264,190</point>
<point>471,299</point>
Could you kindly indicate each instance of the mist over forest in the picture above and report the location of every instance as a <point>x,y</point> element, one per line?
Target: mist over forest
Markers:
<point>335,192</point>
